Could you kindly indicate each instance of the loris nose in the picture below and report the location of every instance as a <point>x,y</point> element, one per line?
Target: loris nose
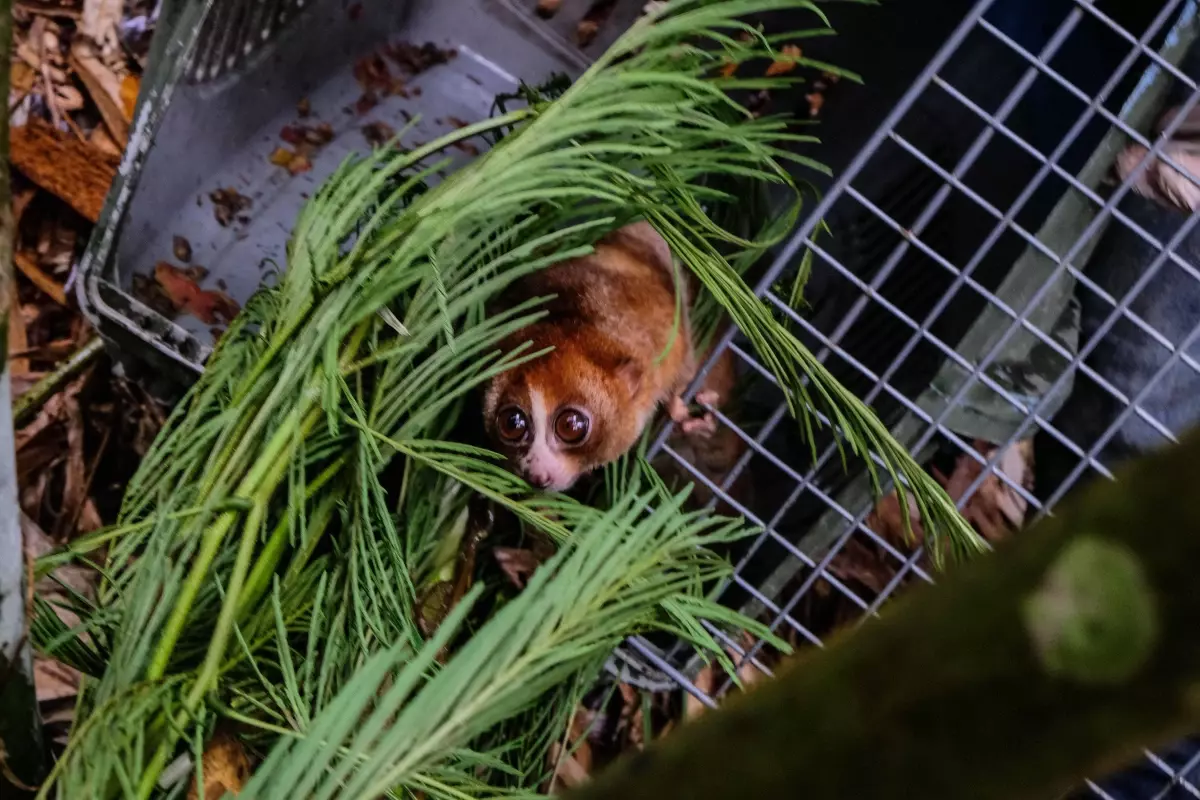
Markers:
<point>540,480</point>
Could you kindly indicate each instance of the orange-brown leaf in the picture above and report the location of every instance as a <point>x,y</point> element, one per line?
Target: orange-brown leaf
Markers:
<point>210,306</point>
<point>785,62</point>
<point>130,85</point>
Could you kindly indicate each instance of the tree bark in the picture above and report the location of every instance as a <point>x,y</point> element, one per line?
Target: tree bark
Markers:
<point>22,756</point>
<point>1051,660</point>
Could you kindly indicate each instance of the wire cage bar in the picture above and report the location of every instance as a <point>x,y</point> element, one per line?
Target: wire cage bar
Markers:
<point>1051,327</point>
<point>1018,315</point>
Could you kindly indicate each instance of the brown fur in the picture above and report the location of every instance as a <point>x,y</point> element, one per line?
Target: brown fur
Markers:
<point>611,320</point>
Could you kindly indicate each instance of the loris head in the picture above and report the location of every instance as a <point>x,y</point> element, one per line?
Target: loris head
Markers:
<point>560,416</point>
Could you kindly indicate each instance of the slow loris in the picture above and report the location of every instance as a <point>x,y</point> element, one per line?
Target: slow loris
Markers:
<point>587,402</point>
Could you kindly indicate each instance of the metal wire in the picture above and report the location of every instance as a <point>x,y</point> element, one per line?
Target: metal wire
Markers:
<point>808,490</point>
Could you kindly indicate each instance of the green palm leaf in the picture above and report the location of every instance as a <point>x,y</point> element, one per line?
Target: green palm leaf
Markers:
<point>263,571</point>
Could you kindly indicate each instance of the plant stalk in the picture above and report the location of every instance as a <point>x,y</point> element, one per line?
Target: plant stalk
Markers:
<point>27,404</point>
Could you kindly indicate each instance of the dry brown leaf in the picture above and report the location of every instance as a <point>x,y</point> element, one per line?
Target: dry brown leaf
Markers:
<point>76,480</point>
<point>595,18</point>
<point>374,75</point>
<point>228,203</point>
<point>887,520</point>
<point>572,768</point>
<point>785,62</point>
<point>585,32</point>
<point>630,721</point>
<point>54,680</point>
<point>89,517</point>
<point>294,161</point>
<point>22,77</point>
<point>865,562</point>
<point>210,306</point>
<point>68,98</point>
<point>377,133</point>
<point>317,135</point>
<point>53,412</point>
<point>517,563</point>
<point>816,101</point>
<point>225,766</point>
<point>79,579</point>
<point>569,772</point>
<point>104,88</point>
<point>365,102</point>
<point>748,672</point>
<point>996,509</point>
<point>100,139</point>
<point>66,167</point>
<point>415,59</point>
<point>281,157</point>
<point>181,248</point>
<point>709,678</point>
<point>706,681</point>
<point>80,516</point>
<point>299,164</point>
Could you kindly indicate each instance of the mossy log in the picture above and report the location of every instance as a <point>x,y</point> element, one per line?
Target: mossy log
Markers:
<point>1056,658</point>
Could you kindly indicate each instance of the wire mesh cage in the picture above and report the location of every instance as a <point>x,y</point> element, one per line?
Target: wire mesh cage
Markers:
<point>1019,319</point>
<point>1022,313</point>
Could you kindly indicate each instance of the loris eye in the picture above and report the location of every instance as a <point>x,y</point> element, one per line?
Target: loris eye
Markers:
<point>512,424</point>
<point>571,426</point>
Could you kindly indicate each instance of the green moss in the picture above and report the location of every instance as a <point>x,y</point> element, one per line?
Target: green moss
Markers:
<point>1094,618</point>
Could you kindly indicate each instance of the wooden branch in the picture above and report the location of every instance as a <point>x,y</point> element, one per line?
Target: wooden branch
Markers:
<point>1053,659</point>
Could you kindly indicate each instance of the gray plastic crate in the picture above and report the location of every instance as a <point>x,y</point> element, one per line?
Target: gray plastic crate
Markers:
<point>225,80</point>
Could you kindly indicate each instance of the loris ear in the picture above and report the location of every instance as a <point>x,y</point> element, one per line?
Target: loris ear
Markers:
<point>628,371</point>
<point>641,236</point>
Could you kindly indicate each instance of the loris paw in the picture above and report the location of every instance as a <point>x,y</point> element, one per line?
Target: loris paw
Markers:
<point>703,426</point>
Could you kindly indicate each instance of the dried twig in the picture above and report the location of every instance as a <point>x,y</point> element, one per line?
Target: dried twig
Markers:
<point>39,278</point>
<point>28,404</point>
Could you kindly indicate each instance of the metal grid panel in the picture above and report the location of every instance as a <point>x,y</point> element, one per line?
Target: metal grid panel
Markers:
<point>1012,218</point>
